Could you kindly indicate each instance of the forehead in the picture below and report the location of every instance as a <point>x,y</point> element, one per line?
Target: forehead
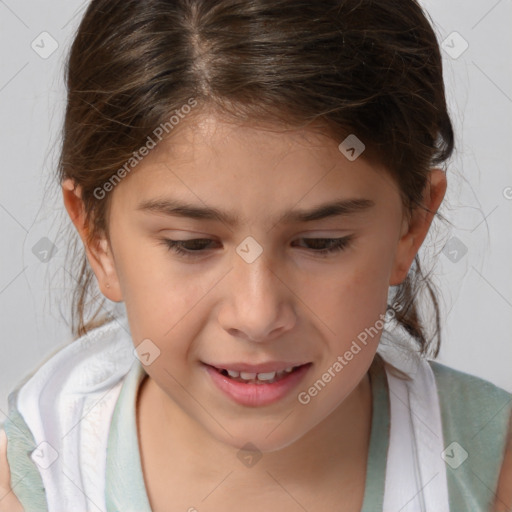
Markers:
<point>219,139</point>
<point>224,142</point>
<point>253,166</point>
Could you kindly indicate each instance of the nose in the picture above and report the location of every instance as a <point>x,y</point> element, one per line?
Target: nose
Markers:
<point>258,304</point>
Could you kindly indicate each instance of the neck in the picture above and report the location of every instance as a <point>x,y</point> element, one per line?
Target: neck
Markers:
<point>335,450</point>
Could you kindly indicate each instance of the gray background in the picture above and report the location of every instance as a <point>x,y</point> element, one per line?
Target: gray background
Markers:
<point>476,285</point>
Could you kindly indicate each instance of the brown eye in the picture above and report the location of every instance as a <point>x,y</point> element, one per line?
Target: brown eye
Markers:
<point>187,247</point>
<point>327,245</point>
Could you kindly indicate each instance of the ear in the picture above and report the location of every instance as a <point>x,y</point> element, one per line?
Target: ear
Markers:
<point>98,251</point>
<point>415,228</point>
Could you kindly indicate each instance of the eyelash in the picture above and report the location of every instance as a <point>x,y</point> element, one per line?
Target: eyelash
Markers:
<point>335,245</point>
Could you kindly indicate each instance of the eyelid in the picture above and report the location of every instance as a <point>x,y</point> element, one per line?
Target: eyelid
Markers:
<point>335,245</point>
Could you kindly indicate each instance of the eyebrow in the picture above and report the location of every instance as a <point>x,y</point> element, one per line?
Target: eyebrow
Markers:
<point>176,208</point>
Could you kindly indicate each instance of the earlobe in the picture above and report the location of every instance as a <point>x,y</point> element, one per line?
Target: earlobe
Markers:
<point>98,250</point>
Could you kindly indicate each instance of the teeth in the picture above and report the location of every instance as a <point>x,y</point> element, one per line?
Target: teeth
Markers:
<point>247,375</point>
<point>259,377</point>
<point>266,376</point>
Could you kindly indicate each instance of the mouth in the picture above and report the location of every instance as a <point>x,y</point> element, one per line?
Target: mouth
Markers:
<point>273,381</point>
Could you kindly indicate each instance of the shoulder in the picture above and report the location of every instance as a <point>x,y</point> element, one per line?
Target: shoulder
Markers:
<point>476,417</point>
<point>67,386</point>
<point>472,405</point>
<point>468,392</point>
<point>503,499</point>
<point>447,373</point>
<point>26,479</point>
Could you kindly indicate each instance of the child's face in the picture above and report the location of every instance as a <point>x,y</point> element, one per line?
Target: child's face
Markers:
<point>225,306</point>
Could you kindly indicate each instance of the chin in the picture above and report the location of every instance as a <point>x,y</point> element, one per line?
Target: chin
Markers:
<point>258,439</point>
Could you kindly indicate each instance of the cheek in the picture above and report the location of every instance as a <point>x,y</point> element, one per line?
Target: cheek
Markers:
<point>351,296</point>
<point>159,298</point>
<point>171,308</point>
<point>163,309</point>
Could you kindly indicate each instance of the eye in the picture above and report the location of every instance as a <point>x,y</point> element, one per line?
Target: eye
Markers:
<point>328,245</point>
<point>180,246</point>
<point>196,246</point>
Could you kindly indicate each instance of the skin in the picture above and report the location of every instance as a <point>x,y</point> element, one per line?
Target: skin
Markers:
<point>290,304</point>
<point>503,498</point>
<point>8,500</point>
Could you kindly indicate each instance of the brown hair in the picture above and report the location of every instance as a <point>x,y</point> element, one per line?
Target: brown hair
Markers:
<point>372,68</point>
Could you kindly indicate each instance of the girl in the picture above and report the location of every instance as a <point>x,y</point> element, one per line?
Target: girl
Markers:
<point>252,181</point>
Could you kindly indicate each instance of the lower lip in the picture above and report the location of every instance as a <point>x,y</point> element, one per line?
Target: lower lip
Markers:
<point>255,395</point>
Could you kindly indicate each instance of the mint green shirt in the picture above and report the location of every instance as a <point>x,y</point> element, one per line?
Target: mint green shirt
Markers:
<point>474,413</point>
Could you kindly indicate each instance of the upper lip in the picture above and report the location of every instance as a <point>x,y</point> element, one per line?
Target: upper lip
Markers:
<point>271,366</point>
